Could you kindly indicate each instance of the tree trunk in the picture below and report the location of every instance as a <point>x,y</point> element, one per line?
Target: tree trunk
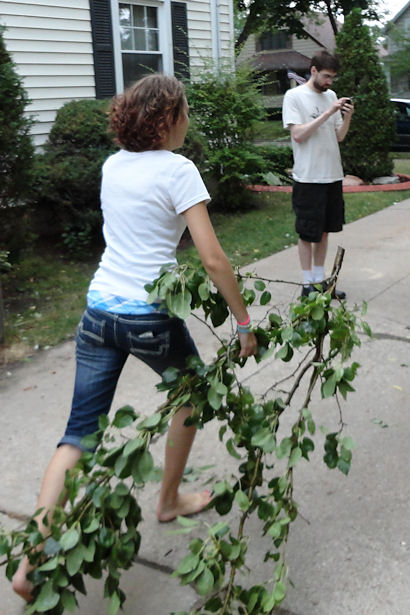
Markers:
<point>332,19</point>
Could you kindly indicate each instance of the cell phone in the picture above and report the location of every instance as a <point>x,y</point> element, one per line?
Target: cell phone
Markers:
<point>348,101</point>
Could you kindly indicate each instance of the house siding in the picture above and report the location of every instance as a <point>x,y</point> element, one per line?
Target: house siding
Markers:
<point>202,44</point>
<point>399,86</point>
<point>50,42</point>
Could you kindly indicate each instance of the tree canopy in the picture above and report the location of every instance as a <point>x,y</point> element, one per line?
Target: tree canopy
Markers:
<point>288,14</point>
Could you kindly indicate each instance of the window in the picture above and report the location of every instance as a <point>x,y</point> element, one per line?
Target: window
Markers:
<point>270,41</point>
<point>140,45</point>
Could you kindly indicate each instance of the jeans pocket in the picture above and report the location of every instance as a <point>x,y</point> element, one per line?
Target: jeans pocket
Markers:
<point>149,344</point>
<point>91,329</point>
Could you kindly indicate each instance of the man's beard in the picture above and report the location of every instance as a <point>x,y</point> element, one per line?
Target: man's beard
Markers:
<point>318,86</point>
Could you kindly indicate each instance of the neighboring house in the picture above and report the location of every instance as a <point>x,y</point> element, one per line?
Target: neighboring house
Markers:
<point>272,54</point>
<point>400,85</point>
<point>74,49</point>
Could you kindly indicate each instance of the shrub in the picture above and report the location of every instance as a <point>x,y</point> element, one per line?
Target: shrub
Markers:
<point>16,156</point>
<point>365,151</point>
<point>225,105</point>
<point>68,173</point>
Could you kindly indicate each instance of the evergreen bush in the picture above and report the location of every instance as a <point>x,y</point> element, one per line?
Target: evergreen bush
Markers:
<point>68,173</point>
<point>16,156</point>
<point>366,149</point>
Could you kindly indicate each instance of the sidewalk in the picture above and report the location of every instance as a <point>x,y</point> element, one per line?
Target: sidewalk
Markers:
<point>349,549</point>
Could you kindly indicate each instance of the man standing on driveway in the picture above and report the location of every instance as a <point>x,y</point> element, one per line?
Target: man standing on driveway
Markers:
<point>312,113</point>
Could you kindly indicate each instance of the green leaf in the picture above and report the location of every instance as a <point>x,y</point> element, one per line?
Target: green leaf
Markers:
<point>205,582</point>
<point>47,599</point>
<point>219,529</point>
<point>194,574</point>
<point>283,450</point>
<point>348,443</point>
<point>51,564</point>
<point>259,285</point>
<point>133,445</point>
<point>242,500</point>
<point>186,522</point>
<point>343,465</point>
<point>145,465</point>
<point>214,398</point>
<point>74,560</point>
<point>311,426</point>
<point>275,530</point>
<point>220,387</point>
<point>329,386</point>
<point>68,601</point>
<point>267,602</point>
<point>295,456</point>
<point>180,303</point>
<point>287,334</point>
<point>115,604</point>
<point>69,539</point>
<point>317,312</point>
<point>124,417</point>
<point>150,422</point>
<point>92,526</point>
<point>279,592</point>
<point>231,449</point>
<point>51,546</point>
<point>265,297</point>
<point>203,291</point>
<point>189,563</point>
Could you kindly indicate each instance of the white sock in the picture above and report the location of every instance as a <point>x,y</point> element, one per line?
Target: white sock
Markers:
<point>318,273</point>
<point>307,277</point>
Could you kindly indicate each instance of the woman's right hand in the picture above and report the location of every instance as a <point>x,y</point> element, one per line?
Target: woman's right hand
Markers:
<point>249,344</point>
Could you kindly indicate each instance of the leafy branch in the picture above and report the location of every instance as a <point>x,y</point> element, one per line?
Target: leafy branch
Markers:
<point>97,530</point>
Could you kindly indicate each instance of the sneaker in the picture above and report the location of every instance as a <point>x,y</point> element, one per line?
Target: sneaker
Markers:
<point>312,288</point>
<point>336,294</point>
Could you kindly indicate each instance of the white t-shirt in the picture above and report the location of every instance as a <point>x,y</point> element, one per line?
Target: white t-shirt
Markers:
<point>143,195</point>
<point>316,160</point>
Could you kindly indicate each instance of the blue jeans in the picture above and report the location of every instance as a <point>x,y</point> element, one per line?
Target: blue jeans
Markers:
<point>104,341</point>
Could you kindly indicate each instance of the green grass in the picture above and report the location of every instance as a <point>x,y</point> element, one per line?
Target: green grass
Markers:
<point>45,293</point>
<point>44,296</point>
<point>402,163</point>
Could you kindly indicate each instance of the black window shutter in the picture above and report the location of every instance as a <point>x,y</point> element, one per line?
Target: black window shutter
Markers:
<point>180,39</point>
<point>101,27</point>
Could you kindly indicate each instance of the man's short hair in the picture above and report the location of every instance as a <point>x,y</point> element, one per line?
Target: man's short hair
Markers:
<point>324,59</point>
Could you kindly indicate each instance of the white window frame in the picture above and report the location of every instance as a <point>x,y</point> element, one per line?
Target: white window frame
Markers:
<point>165,36</point>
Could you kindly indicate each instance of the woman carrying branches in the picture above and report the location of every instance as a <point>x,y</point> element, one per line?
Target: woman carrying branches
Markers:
<point>148,196</point>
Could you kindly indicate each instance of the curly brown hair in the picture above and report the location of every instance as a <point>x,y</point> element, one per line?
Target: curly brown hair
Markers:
<point>142,116</point>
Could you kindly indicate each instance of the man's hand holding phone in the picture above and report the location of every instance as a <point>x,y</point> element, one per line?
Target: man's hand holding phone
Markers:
<point>347,106</point>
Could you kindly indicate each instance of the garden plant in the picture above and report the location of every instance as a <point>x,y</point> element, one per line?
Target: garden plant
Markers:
<point>97,531</point>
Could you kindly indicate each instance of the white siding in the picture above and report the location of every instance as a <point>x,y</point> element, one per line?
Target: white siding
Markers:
<point>305,46</point>
<point>208,39</point>
<point>50,42</point>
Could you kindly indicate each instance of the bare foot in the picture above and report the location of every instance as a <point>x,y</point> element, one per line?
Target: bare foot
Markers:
<point>186,504</point>
<point>21,585</point>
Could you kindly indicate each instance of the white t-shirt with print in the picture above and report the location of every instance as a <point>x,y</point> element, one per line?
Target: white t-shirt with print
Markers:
<point>143,195</point>
<point>316,160</point>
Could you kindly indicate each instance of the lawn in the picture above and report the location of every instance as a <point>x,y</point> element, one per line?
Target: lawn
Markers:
<point>45,293</point>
